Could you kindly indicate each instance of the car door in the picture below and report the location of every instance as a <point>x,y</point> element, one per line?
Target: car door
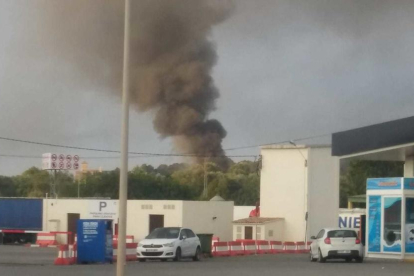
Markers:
<point>192,242</point>
<point>184,243</point>
<point>316,243</point>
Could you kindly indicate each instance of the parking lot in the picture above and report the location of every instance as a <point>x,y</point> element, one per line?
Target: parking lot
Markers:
<point>17,260</point>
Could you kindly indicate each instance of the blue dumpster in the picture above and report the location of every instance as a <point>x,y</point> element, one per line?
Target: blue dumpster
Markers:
<point>94,241</point>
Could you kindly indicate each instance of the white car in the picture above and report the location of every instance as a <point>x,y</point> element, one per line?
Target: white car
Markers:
<point>336,243</point>
<point>169,243</point>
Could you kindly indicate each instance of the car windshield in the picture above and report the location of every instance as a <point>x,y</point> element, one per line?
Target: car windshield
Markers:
<point>342,234</point>
<point>164,233</point>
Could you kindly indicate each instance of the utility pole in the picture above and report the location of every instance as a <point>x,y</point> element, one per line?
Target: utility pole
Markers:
<point>205,178</point>
<point>53,189</point>
<point>123,181</point>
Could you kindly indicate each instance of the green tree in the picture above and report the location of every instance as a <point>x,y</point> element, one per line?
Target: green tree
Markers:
<point>353,181</point>
<point>192,177</point>
<point>65,184</point>
<point>142,185</point>
<point>33,183</point>
<point>241,184</point>
<point>7,187</point>
<point>244,167</point>
<point>177,181</point>
<point>102,184</point>
<point>168,170</point>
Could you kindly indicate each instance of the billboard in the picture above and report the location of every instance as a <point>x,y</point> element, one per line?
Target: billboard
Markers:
<point>55,161</point>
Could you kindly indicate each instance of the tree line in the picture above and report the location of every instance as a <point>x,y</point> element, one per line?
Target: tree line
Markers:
<point>180,181</point>
<point>354,177</point>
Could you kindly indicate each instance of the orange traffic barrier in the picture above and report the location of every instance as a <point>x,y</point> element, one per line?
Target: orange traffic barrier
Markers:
<point>64,256</point>
<point>236,248</point>
<point>221,249</point>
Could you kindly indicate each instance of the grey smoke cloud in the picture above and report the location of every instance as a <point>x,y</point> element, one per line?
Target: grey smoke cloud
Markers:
<point>172,60</point>
<point>174,57</point>
<point>286,69</point>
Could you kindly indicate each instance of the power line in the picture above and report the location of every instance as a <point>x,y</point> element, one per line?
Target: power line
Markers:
<point>58,146</point>
<point>143,154</point>
<point>151,154</point>
<point>146,154</point>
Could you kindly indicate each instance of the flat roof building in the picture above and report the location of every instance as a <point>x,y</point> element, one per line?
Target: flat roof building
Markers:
<point>300,184</point>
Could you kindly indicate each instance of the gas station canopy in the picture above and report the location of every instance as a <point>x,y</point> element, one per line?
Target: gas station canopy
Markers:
<point>389,141</point>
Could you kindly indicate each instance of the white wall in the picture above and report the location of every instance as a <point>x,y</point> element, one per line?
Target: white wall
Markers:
<point>139,213</point>
<point>289,189</point>
<point>323,190</point>
<point>409,167</point>
<point>241,212</point>
<point>239,231</point>
<point>198,215</point>
<point>277,227</point>
<point>55,213</point>
<point>283,189</point>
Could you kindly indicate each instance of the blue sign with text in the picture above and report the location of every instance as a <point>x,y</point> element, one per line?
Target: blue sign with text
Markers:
<point>394,183</point>
<point>374,224</point>
<point>95,241</point>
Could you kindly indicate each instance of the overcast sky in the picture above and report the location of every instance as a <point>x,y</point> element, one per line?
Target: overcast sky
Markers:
<point>287,69</point>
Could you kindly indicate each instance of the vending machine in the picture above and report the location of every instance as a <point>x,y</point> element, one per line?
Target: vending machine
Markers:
<point>95,241</point>
<point>390,218</point>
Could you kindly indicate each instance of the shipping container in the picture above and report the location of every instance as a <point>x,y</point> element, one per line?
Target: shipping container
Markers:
<point>20,214</point>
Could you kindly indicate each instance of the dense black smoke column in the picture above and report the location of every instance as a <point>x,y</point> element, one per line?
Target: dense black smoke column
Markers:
<point>172,72</point>
<point>172,58</point>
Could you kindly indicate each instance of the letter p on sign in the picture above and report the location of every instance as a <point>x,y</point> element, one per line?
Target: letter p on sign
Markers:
<point>102,205</point>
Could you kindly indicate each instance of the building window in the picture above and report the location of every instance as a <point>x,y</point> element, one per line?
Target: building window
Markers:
<point>259,233</point>
<point>169,207</point>
<point>146,207</point>
<point>239,229</point>
<point>270,233</point>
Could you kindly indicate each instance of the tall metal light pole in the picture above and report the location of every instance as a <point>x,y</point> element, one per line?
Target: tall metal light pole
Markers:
<point>123,183</point>
<point>205,192</point>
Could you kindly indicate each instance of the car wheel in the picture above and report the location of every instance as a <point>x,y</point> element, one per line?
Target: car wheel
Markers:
<point>177,255</point>
<point>348,260</point>
<point>197,256</point>
<point>142,260</point>
<point>312,259</point>
<point>359,259</point>
<point>321,259</point>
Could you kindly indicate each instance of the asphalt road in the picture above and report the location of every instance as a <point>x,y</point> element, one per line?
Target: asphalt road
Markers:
<point>17,261</point>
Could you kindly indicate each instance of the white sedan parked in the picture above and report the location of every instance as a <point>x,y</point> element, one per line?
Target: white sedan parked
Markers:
<point>336,243</point>
<point>169,243</point>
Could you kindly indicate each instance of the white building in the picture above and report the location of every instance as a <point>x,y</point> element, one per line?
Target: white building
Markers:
<point>213,217</point>
<point>298,182</point>
<point>258,228</point>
